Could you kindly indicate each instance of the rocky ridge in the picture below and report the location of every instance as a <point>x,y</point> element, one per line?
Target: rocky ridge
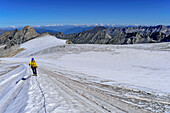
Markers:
<point>118,35</point>
<point>16,37</point>
<point>98,35</point>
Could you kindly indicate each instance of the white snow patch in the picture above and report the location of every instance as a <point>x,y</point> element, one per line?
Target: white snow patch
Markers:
<point>134,66</point>
<point>40,43</point>
<point>142,68</point>
<point>1,46</point>
<point>11,87</point>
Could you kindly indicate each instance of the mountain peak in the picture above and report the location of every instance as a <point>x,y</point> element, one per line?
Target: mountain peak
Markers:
<point>161,26</point>
<point>99,28</point>
<point>15,37</point>
<point>28,27</point>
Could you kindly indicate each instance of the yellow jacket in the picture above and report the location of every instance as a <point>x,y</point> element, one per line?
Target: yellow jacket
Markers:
<point>33,63</point>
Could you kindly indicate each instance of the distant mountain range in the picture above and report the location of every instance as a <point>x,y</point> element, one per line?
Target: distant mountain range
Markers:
<point>43,30</point>
<point>66,29</point>
<point>119,35</point>
<point>91,34</point>
<point>1,31</point>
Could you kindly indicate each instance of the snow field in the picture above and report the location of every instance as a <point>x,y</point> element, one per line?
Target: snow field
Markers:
<point>83,78</point>
<point>144,68</point>
<point>40,43</point>
<point>46,95</point>
<point>11,88</point>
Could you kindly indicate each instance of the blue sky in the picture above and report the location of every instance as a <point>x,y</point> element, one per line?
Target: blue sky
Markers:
<point>43,12</point>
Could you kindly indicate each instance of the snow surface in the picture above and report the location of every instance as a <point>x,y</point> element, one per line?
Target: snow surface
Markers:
<point>2,46</point>
<point>135,67</point>
<point>142,67</point>
<point>40,43</point>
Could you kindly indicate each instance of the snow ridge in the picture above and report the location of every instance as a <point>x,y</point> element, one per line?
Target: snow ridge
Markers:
<point>12,87</point>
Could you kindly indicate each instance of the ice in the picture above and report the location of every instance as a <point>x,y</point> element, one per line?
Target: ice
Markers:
<point>1,46</point>
<point>64,70</point>
<point>136,67</point>
<point>40,43</point>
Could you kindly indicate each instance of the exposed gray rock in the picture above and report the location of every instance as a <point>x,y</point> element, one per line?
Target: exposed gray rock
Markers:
<point>16,37</point>
<point>118,35</point>
<point>12,51</point>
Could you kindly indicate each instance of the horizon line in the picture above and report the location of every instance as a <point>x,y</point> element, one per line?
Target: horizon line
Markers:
<point>99,24</point>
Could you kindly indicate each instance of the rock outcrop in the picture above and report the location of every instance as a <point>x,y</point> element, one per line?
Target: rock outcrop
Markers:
<point>118,35</point>
<point>16,37</point>
<point>98,35</point>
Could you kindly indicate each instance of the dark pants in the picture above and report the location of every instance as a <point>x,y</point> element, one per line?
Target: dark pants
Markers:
<point>34,70</point>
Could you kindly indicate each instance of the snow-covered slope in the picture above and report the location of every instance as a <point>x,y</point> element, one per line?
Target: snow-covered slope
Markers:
<point>87,78</point>
<point>1,46</point>
<point>40,43</point>
<point>134,67</point>
<point>11,86</point>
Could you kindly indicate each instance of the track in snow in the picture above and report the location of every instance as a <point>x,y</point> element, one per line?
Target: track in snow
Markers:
<point>51,92</point>
<point>44,105</point>
<point>91,99</point>
<point>72,90</point>
<point>13,89</point>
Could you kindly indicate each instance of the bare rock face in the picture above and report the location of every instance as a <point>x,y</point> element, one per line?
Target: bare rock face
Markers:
<point>16,37</point>
<point>25,34</point>
<point>6,37</point>
<point>118,35</point>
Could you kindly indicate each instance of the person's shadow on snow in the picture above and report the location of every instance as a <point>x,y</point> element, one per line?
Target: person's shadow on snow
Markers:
<point>23,79</point>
